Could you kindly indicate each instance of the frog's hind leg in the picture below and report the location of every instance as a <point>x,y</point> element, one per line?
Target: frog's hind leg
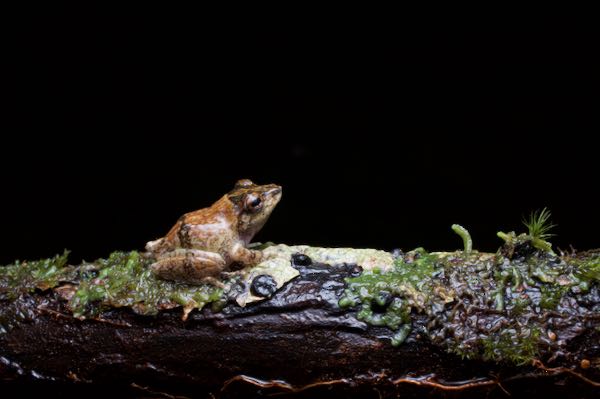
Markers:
<point>190,266</point>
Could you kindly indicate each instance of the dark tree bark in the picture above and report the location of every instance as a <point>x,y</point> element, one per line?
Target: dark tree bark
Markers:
<point>298,343</point>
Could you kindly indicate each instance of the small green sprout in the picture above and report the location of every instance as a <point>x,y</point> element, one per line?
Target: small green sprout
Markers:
<point>507,237</point>
<point>539,226</point>
<point>466,237</point>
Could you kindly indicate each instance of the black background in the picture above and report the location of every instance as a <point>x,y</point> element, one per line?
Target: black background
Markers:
<point>381,136</point>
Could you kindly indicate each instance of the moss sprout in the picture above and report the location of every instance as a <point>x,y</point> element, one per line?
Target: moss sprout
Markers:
<point>466,237</point>
<point>510,345</point>
<point>538,225</point>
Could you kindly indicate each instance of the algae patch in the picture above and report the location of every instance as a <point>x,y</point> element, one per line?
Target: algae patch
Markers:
<point>25,277</point>
<point>124,279</point>
<point>387,299</point>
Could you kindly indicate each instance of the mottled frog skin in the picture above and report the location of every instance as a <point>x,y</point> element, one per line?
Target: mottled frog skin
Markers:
<point>204,243</point>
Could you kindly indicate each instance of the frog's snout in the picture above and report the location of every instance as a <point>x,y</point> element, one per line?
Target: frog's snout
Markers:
<point>275,191</point>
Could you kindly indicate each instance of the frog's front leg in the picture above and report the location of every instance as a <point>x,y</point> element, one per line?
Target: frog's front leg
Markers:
<point>190,266</point>
<point>248,257</point>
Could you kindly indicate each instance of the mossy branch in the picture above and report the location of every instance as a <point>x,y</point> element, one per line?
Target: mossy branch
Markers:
<point>476,315</point>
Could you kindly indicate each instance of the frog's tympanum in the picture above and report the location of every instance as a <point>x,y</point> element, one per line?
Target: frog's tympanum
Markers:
<point>204,243</point>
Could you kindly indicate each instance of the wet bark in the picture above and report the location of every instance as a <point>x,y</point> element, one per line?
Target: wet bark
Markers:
<point>297,343</point>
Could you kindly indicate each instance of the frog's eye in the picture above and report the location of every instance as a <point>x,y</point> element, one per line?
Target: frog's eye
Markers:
<point>253,203</point>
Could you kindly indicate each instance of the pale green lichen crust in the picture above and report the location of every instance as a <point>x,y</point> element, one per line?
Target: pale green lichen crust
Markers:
<point>367,258</point>
<point>278,267</point>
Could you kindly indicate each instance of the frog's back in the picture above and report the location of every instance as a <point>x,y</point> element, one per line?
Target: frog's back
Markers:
<point>194,229</point>
<point>220,212</point>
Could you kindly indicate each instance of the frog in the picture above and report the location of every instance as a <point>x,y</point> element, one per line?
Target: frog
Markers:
<point>204,244</point>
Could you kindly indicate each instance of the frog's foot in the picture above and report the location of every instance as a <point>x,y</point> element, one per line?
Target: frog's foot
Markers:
<point>232,274</point>
<point>190,266</point>
<point>213,281</point>
<point>246,256</point>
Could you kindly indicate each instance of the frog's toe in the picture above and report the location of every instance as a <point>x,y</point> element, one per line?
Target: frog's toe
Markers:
<point>213,281</point>
<point>152,246</point>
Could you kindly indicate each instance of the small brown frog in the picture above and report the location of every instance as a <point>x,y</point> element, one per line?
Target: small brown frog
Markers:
<point>204,243</point>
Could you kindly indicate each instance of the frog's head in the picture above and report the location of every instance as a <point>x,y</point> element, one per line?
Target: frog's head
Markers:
<point>254,204</point>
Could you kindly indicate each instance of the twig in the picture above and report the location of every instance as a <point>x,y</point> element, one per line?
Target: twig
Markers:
<point>562,370</point>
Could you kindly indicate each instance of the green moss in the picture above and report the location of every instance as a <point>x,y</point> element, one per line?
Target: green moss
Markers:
<point>394,316</point>
<point>517,287</point>
<point>519,306</point>
<point>124,279</point>
<point>401,335</point>
<point>509,346</point>
<point>513,242</point>
<point>588,268</point>
<point>416,268</point>
<point>538,225</point>
<point>387,299</point>
<point>24,277</point>
<point>551,295</point>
